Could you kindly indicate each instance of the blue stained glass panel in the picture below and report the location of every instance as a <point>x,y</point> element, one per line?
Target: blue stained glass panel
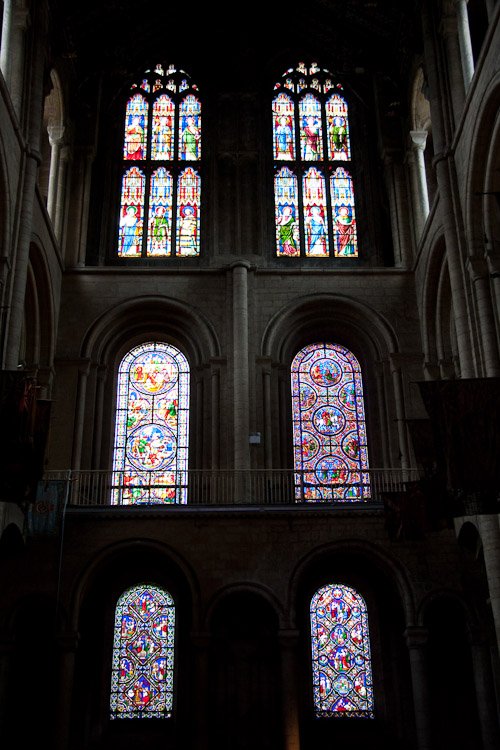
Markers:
<point>315,221</point>
<point>160,213</point>
<point>142,672</point>
<point>311,137</point>
<point>188,213</point>
<point>131,213</point>
<point>329,432</point>
<point>284,128</point>
<point>190,129</point>
<point>151,427</point>
<point>341,661</point>
<point>345,237</point>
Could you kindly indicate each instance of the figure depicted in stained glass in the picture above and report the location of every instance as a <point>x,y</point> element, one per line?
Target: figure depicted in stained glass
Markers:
<point>340,642</point>
<point>154,119</point>
<point>151,448</point>
<point>331,456</point>
<point>310,129</point>
<point>344,221</point>
<point>143,654</point>
<point>314,104</point>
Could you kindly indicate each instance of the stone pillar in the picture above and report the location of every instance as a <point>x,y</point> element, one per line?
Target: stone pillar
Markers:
<point>102,372</point>
<point>396,190</point>
<point>490,8</point>
<point>382,410</point>
<point>464,40</point>
<point>68,644</point>
<point>215,389</point>
<point>454,67</point>
<point>400,413</point>
<point>81,393</point>
<point>20,265</point>
<point>78,226</point>
<point>62,194</point>
<point>56,134</point>
<point>268,429</point>
<point>421,198</point>
<point>288,641</point>
<point>240,367</point>
<point>489,529</point>
<point>485,689</point>
<point>201,647</point>
<point>6,652</point>
<point>12,57</point>
<point>478,271</point>
<point>416,640</point>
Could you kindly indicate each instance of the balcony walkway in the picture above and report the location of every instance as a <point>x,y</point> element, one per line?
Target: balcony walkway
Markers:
<point>285,487</point>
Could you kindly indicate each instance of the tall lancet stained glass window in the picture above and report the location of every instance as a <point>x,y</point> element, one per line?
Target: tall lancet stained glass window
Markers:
<point>341,663</point>
<point>313,185</point>
<point>329,431</point>
<point>151,436</point>
<point>142,672</point>
<point>161,190</point>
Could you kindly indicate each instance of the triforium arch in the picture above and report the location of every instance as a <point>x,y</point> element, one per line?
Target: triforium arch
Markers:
<point>349,324</point>
<point>115,333</point>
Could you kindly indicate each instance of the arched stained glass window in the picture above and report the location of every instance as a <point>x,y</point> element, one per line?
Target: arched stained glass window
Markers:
<point>314,193</point>
<point>161,194</point>
<point>151,436</point>
<point>341,663</point>
<point>329,431</point>
<point>142,674</point>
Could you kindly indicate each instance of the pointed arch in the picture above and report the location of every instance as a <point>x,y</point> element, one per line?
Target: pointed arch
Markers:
<point>142,675</point>
<point>340,652</point>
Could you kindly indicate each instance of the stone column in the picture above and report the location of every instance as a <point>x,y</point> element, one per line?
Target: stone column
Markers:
<point>454,67</point>
<point>201,649</point>
<point>62,194</point>
<point>464,40</point>
<point>20,265</point>
<point>416,640</point>
<point>12,57</point>
<point>485,689</point>
<point>395,186</point>
<point>478,271</point>
<point>68,644</point>
<point>489,529</point>
<point>490,8</point>
<point>215,389</point>
<point>421,198</point>
<point>81,393</point>
<point>400,413</point>
<point>240,367</point>
<point>288,641</point>
<point>102,372</point>
<point>268,430</point>
<point>56,134</point>
<point>6,653</point>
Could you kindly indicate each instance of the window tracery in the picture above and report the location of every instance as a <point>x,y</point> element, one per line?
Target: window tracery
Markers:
<point>329,431</point>
<point>161,190</point>
<point>151,435</point>
<point>142,672</point>
<point>341,662</point>
<point>314,194</point>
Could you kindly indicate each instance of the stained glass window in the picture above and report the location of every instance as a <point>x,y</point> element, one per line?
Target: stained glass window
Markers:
<point>142,674</point>
<point>341,663</point>
<point>160,198</point>
<point>329,431</point>
<point>151,436</point>
<point>314,191</point>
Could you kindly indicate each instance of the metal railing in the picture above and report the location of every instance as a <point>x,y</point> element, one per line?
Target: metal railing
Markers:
<point>258,487</point>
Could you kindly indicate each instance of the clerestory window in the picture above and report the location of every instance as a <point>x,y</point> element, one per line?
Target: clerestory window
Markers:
<point>313,186</point>
<point>161,183</point>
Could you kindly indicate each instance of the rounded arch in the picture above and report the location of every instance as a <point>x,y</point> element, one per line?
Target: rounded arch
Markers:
<point>244,587</point>
<point>155,560</point>
<point>482,208</point>
<point>330,559</point>
<point>327,316</point>
<point>140,318</point>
